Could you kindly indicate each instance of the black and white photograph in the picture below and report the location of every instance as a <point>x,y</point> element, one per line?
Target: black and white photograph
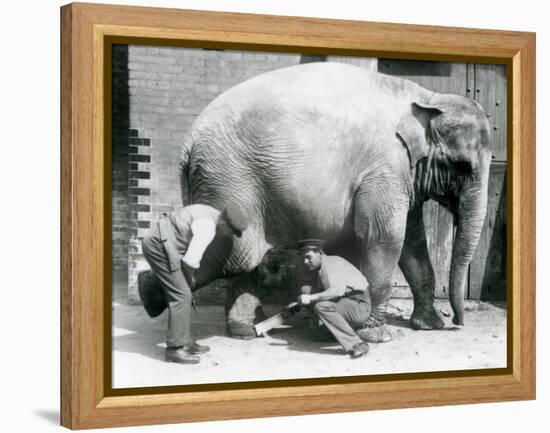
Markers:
<point>275,216</point>
<point>285,216</point>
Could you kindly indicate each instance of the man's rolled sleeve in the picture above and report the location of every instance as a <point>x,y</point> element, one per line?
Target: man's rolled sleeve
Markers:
<point>339,290</point>
<point>204,230</point>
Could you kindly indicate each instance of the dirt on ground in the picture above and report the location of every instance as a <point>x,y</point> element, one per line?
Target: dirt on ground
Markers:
<point>290,352</point>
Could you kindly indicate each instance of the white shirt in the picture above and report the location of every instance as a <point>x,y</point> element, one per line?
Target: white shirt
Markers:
<point>338,273</point>
<point>204,230</point>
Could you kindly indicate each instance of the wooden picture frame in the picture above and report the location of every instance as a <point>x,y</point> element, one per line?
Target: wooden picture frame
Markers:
<point>87,33</point>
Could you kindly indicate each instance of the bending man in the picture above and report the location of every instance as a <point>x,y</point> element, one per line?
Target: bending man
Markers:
<point>174,248</point>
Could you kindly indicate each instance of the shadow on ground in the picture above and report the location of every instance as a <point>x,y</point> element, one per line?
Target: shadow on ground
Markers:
<point>49,415</point>
<point>133,327</point>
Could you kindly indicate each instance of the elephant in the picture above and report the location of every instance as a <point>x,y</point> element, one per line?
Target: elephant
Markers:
<point>333,151</point>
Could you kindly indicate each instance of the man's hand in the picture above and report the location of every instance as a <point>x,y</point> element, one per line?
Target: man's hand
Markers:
<point>189,274</point>
<point>290,310</point>
<point>304,299</point>
<point>306,290</point>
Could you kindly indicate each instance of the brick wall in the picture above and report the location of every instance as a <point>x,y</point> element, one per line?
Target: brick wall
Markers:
<point>120,138</point>
<point>168,88</point>
<point>139,217</point>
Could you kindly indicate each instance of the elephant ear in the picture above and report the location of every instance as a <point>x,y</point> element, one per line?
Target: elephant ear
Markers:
<point>412,129</point>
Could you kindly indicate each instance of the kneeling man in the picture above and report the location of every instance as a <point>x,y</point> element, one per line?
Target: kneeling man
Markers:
<point>341,299</point>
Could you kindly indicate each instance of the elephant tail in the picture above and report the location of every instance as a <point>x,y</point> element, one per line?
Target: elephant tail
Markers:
<point>184,169</point>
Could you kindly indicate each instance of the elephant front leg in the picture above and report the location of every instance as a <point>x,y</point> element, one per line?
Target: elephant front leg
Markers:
<point>380,233</point>
<point>378,267</point>
<point>243,306</point>
<point>418,270</point>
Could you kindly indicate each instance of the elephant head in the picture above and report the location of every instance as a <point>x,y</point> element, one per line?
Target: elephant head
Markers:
<point>448,141</point>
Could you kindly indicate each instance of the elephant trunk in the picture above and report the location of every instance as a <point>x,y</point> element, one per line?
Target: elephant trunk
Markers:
<point>472,208</point>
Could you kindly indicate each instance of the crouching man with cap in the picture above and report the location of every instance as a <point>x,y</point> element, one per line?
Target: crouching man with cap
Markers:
<point>341,299</point>
<point>174,248</point>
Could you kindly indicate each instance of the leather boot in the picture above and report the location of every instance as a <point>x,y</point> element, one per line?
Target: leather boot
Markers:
<point>196,349</point>
<point>180,355</point>
<point>359,350</point>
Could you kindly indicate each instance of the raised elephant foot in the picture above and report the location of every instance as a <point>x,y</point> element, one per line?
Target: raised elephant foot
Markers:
<point>243,308</point>
<point>243,331</point>
<point>242,326</point>
<point>426,320</point>
<point>375,334</point>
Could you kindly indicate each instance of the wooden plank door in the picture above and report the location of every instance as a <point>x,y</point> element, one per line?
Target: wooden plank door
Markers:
<point>488,269</point>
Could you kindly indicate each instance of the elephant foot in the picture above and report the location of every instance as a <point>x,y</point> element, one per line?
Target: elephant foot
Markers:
<point>375,334</point>
<point>426,320</point>
<point>243,331</point>
<point>458,321</point>
<point>243,308</point>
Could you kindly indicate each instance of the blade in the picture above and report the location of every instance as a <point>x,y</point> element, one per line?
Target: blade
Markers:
<point>274,321</point>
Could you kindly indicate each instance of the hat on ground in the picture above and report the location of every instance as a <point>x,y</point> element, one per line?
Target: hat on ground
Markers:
<point>235,217</point>
<point>151,294</point>
<point>311,244</point>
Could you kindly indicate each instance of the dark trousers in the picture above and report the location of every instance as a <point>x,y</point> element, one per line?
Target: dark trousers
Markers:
<point>176,289</point>
<point>342,317</point>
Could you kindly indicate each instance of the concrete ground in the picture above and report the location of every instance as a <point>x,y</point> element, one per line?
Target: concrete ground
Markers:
<point>290,353</point>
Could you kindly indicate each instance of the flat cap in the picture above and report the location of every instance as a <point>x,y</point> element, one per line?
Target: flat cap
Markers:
<point>311,244</point>
<point>235,217</point>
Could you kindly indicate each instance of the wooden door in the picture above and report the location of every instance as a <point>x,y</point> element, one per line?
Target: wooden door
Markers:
<point>488,269</point>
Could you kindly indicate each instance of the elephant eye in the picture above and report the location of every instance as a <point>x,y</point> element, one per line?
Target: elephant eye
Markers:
<point>274,268</point>
<point>463,167</point>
